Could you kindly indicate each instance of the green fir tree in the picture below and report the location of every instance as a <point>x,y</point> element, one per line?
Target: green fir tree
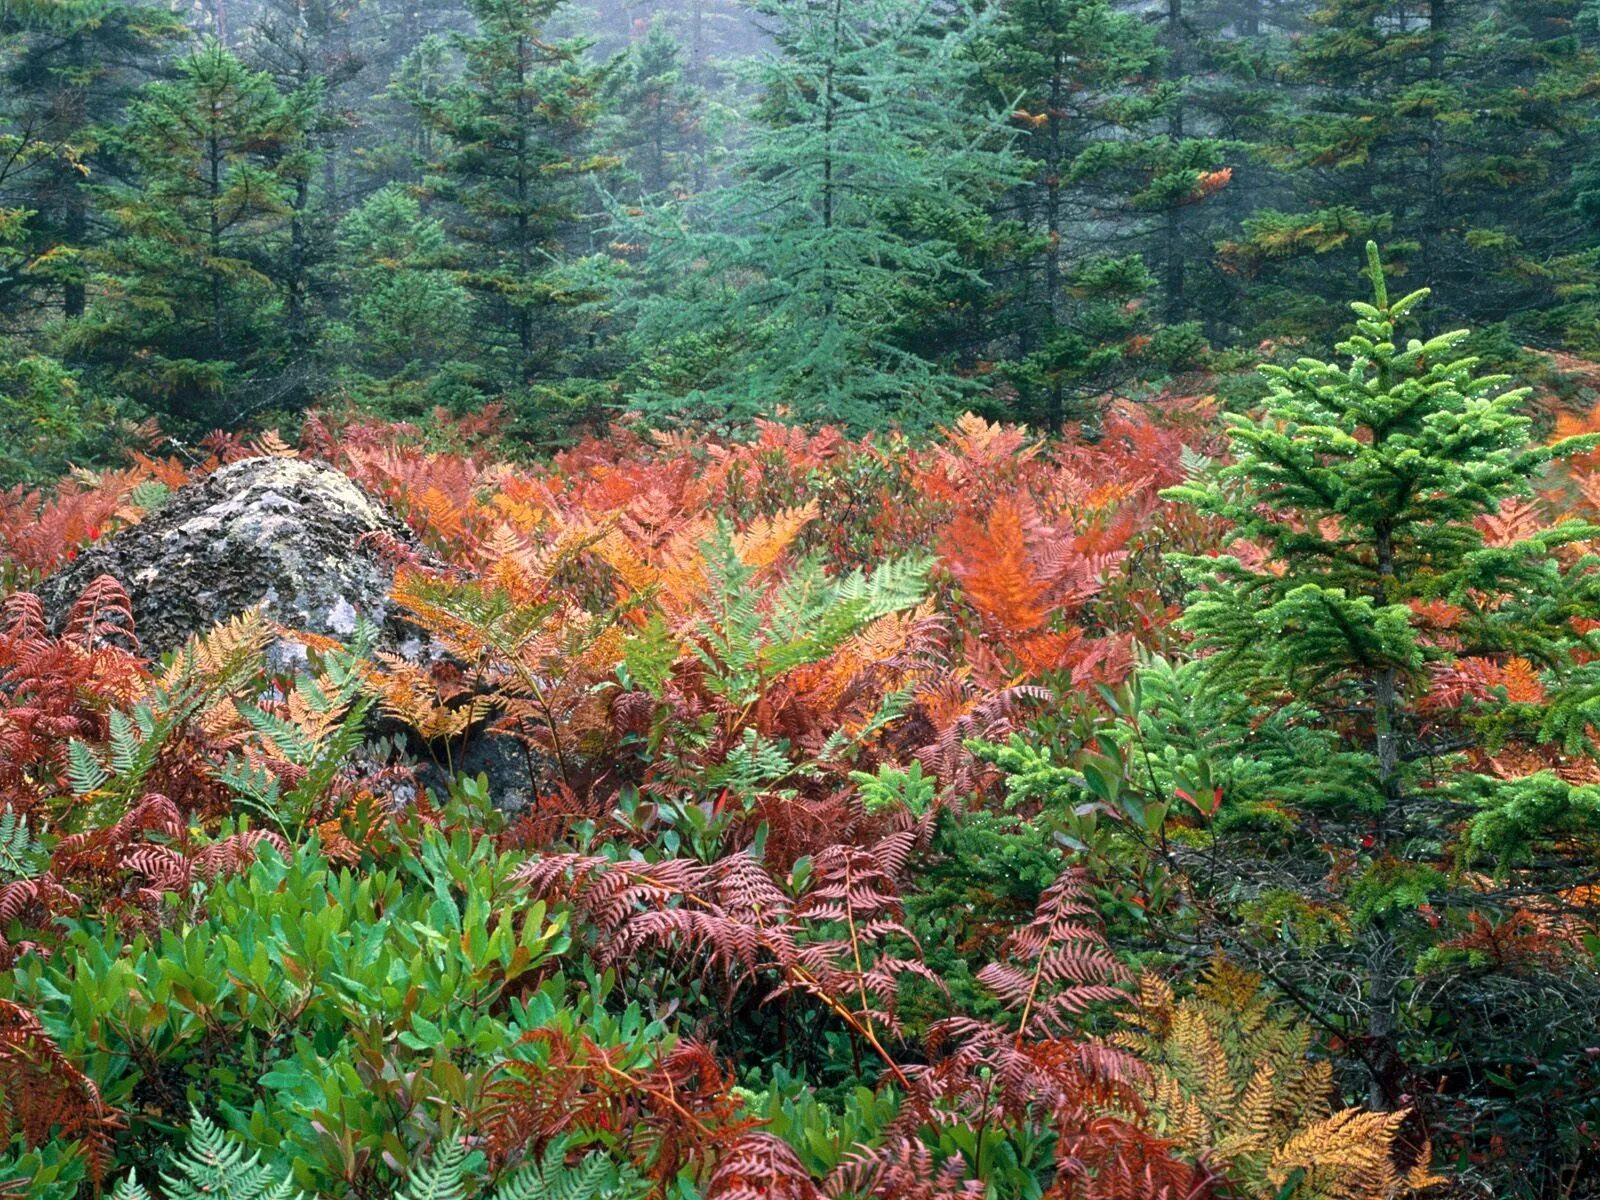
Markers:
<point>1357,803</point>
<point>788,284</point>
<point>188,316</point>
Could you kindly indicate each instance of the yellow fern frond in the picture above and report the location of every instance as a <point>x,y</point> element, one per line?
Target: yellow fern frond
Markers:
<point>1200,1050</point>
<point>766,540</point>
<point>618,553</point>
<point>408,693</point>
<point>223,656</point>
<point>1232,1084</point>
<point>1179,1116</point>
<point>1347,1156</point>
<point>1156,1003</point>
<point>1251,1123</point>
<point>221,719</point>
<point>271,443</point>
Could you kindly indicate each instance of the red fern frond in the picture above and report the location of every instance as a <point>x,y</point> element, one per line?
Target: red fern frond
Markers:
<point>102,616</point>
<point>761,1167</point>
<point>44,1097</point>
<point>903,1168</point>
<point>730,913</point>
<point>1064,965</point>
<point>1108,1157</point>
<point>667,1115</point>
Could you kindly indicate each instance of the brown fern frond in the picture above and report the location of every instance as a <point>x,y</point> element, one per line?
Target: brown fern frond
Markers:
<point>1062,967</point>
<point>102,616</point>
<point>44,1097</point>
<point>668,1115</point>
<point>852,915</point>
<point>1107,1157</point>
<point>760,1166</point>
<point>730,915</point>
<point>903,1168</point>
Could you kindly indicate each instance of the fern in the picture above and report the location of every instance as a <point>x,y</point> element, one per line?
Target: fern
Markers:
<point>755,765</point>
<point>891,587</point>
<point>594,1177</point>
<point>45,1097</point>
<point>308,738</point>
<point>85,772</point>
<point>20,855</point>
<point>1232,1084</point>
<point>896,790</point>
<point>441,1177</point>
<point>213,1167</point>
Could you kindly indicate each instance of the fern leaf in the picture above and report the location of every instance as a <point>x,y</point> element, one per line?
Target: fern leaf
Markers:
<point>85,773</point>
<point>19,854</point>
<point>892,587</point>
<point>214,1167</point>
<point>596,1177</point>
<point>442,1177</point>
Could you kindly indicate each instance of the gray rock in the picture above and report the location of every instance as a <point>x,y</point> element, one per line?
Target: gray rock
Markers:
<point>517,776</point>
<point>280,532</point>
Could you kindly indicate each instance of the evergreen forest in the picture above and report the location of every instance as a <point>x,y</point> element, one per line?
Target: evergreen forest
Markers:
<point>800,599</point>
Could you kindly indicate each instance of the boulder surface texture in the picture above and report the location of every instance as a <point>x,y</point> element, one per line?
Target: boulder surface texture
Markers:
<point>281,532</point>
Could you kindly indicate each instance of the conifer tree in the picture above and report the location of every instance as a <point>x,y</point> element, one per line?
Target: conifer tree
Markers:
<point>1450,127</point>
<point>407,314</point>
<point>188,320</point>
<point>657,115</point>
<point>797,273</point>
<point>306,46</point>
<point>1365,773</point>
<point>1104,140</point>
<point>517,133</point>
<point>68,68</point>
<point>413,88</point>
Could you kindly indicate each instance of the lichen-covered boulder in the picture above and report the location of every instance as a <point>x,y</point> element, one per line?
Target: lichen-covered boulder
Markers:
<point>291,535</point>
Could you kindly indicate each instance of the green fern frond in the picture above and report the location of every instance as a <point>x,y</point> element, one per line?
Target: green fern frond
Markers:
<point>20,855</point>
<point>596,1177</point>
<point>213,1167</point>
<point>129,1189</point>
<point>124,744</point>
<point>442,1177</point>
<point>85,773</point>
<point>892,587</point>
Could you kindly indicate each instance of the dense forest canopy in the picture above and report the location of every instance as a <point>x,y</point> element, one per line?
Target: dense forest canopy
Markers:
<point>800,599</point>
<point>878,212</point>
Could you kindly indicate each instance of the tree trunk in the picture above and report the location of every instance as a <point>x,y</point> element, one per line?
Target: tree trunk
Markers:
<point>1250,22</point>
<point>524,234</point>
<point>1172,238</point>
<point>1433,195</point>
<point>829,112</point>
<point>1057,415</point>
<point>74,229</point>
<point>214,240</point>
<point>299,341</point>
<point>697,73</point>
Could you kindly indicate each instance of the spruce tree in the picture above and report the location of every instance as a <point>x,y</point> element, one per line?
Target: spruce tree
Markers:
<point>1183,162</point>
<point>1109,166</point>
<point>515,157</point>
<point>67,68</point>
<point>188,319</point>
<point>407,314</point>
<point>656,115</point>
<point>790,283</point>
<point>1364,783</point>
<point>1450,127</point>
<point>307,48</point>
